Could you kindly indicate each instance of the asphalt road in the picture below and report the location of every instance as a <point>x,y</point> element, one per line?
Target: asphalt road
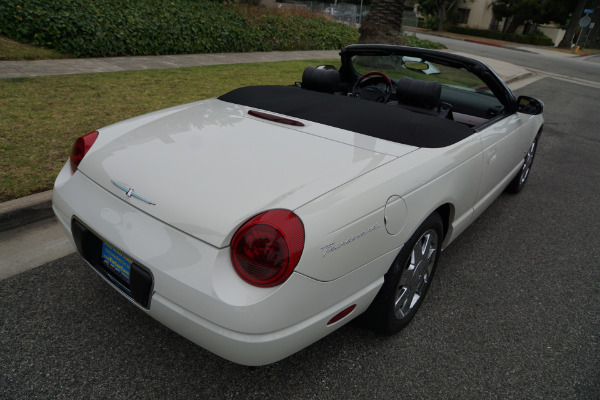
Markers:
<point>514,311</point>
<point>586,68</point>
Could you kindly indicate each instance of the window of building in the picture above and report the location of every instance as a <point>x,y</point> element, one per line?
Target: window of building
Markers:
<point>463,15</point>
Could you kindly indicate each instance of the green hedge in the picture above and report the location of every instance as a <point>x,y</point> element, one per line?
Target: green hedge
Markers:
<point>539,40</point>
<point>91,28</point>
<point>414,41</point>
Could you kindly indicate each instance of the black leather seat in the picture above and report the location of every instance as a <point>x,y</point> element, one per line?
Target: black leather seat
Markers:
<point>422,97</point>
<point>321,80</point>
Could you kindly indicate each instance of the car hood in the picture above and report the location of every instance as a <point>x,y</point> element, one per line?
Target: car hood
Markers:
<point>206,167</point>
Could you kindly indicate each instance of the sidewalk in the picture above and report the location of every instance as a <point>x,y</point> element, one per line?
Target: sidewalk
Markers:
<point>530,48</point>
<point>29,236</point>
<point>21,69</point>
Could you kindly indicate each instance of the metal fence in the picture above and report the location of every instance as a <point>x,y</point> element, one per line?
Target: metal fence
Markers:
<point>352,14</point>
<point>410,21</point>
<point>349,14</point>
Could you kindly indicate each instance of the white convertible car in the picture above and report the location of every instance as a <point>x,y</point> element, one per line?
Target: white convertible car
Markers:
<point>260,221</point>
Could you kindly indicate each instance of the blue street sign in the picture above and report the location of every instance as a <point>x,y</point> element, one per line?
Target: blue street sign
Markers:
<point>589,11</point>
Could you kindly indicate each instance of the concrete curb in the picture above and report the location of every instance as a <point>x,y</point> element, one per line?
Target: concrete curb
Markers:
<point>519,77</point>
<point>506,45</point>
<point>463,39</point>
<point>482,42</point>
<point>26,210</point>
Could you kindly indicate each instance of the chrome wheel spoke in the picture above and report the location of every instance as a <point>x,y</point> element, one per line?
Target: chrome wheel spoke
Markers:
<point>415,298</point>
<point>527,162</point>
<point>400,308</point>
<point>415,276</point>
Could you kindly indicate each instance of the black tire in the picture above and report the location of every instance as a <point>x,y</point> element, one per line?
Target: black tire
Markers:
<point>518,182</point>
<point>408,279</point>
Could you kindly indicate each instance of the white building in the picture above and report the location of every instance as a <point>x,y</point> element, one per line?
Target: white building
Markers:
<point>478,14</point>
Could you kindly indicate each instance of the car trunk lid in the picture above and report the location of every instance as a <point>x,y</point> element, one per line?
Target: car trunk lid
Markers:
<point>206,168</point>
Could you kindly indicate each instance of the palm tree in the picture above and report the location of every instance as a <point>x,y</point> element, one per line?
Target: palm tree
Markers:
<point>383,23</point>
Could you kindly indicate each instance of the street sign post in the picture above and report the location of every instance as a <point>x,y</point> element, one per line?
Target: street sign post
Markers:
<point>584,21</point>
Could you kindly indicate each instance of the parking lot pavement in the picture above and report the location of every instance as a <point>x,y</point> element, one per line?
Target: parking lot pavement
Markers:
<point>513,312</point>
<point>29,234</point>
<point>32,245</point>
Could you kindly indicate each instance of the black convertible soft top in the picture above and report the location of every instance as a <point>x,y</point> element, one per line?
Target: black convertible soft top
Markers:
<point>383,121</point>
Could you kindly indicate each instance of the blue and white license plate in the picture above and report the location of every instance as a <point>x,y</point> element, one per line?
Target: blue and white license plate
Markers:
<point>118,262</point>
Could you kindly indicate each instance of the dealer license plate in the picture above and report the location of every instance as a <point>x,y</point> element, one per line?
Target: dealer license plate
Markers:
<point>116,261</point>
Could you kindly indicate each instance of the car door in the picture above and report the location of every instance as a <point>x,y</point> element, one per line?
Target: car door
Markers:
<point>504,145</point>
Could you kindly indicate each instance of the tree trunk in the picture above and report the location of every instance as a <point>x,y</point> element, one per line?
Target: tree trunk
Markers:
<point>444,7</point>
<point>515,22</point>
<point>566,41</point>
<point>505,24</point>
<point>442,15</point>
<point>383,23</point>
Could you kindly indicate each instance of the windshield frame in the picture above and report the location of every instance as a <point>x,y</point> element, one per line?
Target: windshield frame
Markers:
<point>496,85</point>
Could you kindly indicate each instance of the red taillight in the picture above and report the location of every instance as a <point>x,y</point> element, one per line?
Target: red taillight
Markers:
<point>267,248</point>
<point>80,148</point>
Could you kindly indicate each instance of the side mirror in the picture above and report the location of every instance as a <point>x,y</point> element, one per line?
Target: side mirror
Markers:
<point>529,105</point>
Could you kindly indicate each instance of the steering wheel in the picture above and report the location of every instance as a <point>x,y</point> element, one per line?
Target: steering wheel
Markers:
<point>367,87</point>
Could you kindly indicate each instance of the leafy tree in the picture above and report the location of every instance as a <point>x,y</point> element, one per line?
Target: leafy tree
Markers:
<point>565,43</point>
<point>536,11</point>
<point>383,23</point>
<point>441,9</point>
<point>591,37</point>
<point>594,34</point>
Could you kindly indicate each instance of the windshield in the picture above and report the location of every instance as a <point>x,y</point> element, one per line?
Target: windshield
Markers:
<point>398,66</point>
<point>471,100</point>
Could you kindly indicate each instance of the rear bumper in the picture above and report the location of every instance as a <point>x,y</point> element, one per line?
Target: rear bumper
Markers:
<point>256,349</point>
<point>196,292</point>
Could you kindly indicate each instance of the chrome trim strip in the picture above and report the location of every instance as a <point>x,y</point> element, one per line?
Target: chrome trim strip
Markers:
<point>130,193</point>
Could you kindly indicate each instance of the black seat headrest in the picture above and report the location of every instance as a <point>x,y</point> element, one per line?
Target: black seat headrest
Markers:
<point>321,80</point>
<point>418,93</point>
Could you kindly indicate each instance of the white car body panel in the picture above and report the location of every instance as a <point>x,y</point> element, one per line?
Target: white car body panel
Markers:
<point>504,147</point>
<point>232,152</point>
<point>360,199</point>
<point>191,273</point>
<point>455,168</point>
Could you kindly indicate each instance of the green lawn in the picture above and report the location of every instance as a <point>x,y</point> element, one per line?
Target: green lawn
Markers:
<point>12,50</point>
<point>42,117</point>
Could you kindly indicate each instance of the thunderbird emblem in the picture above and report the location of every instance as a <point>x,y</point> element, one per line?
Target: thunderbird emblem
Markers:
<point>130,193</point>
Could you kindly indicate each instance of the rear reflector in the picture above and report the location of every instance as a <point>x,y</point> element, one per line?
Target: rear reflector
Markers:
<point>341,315</point>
